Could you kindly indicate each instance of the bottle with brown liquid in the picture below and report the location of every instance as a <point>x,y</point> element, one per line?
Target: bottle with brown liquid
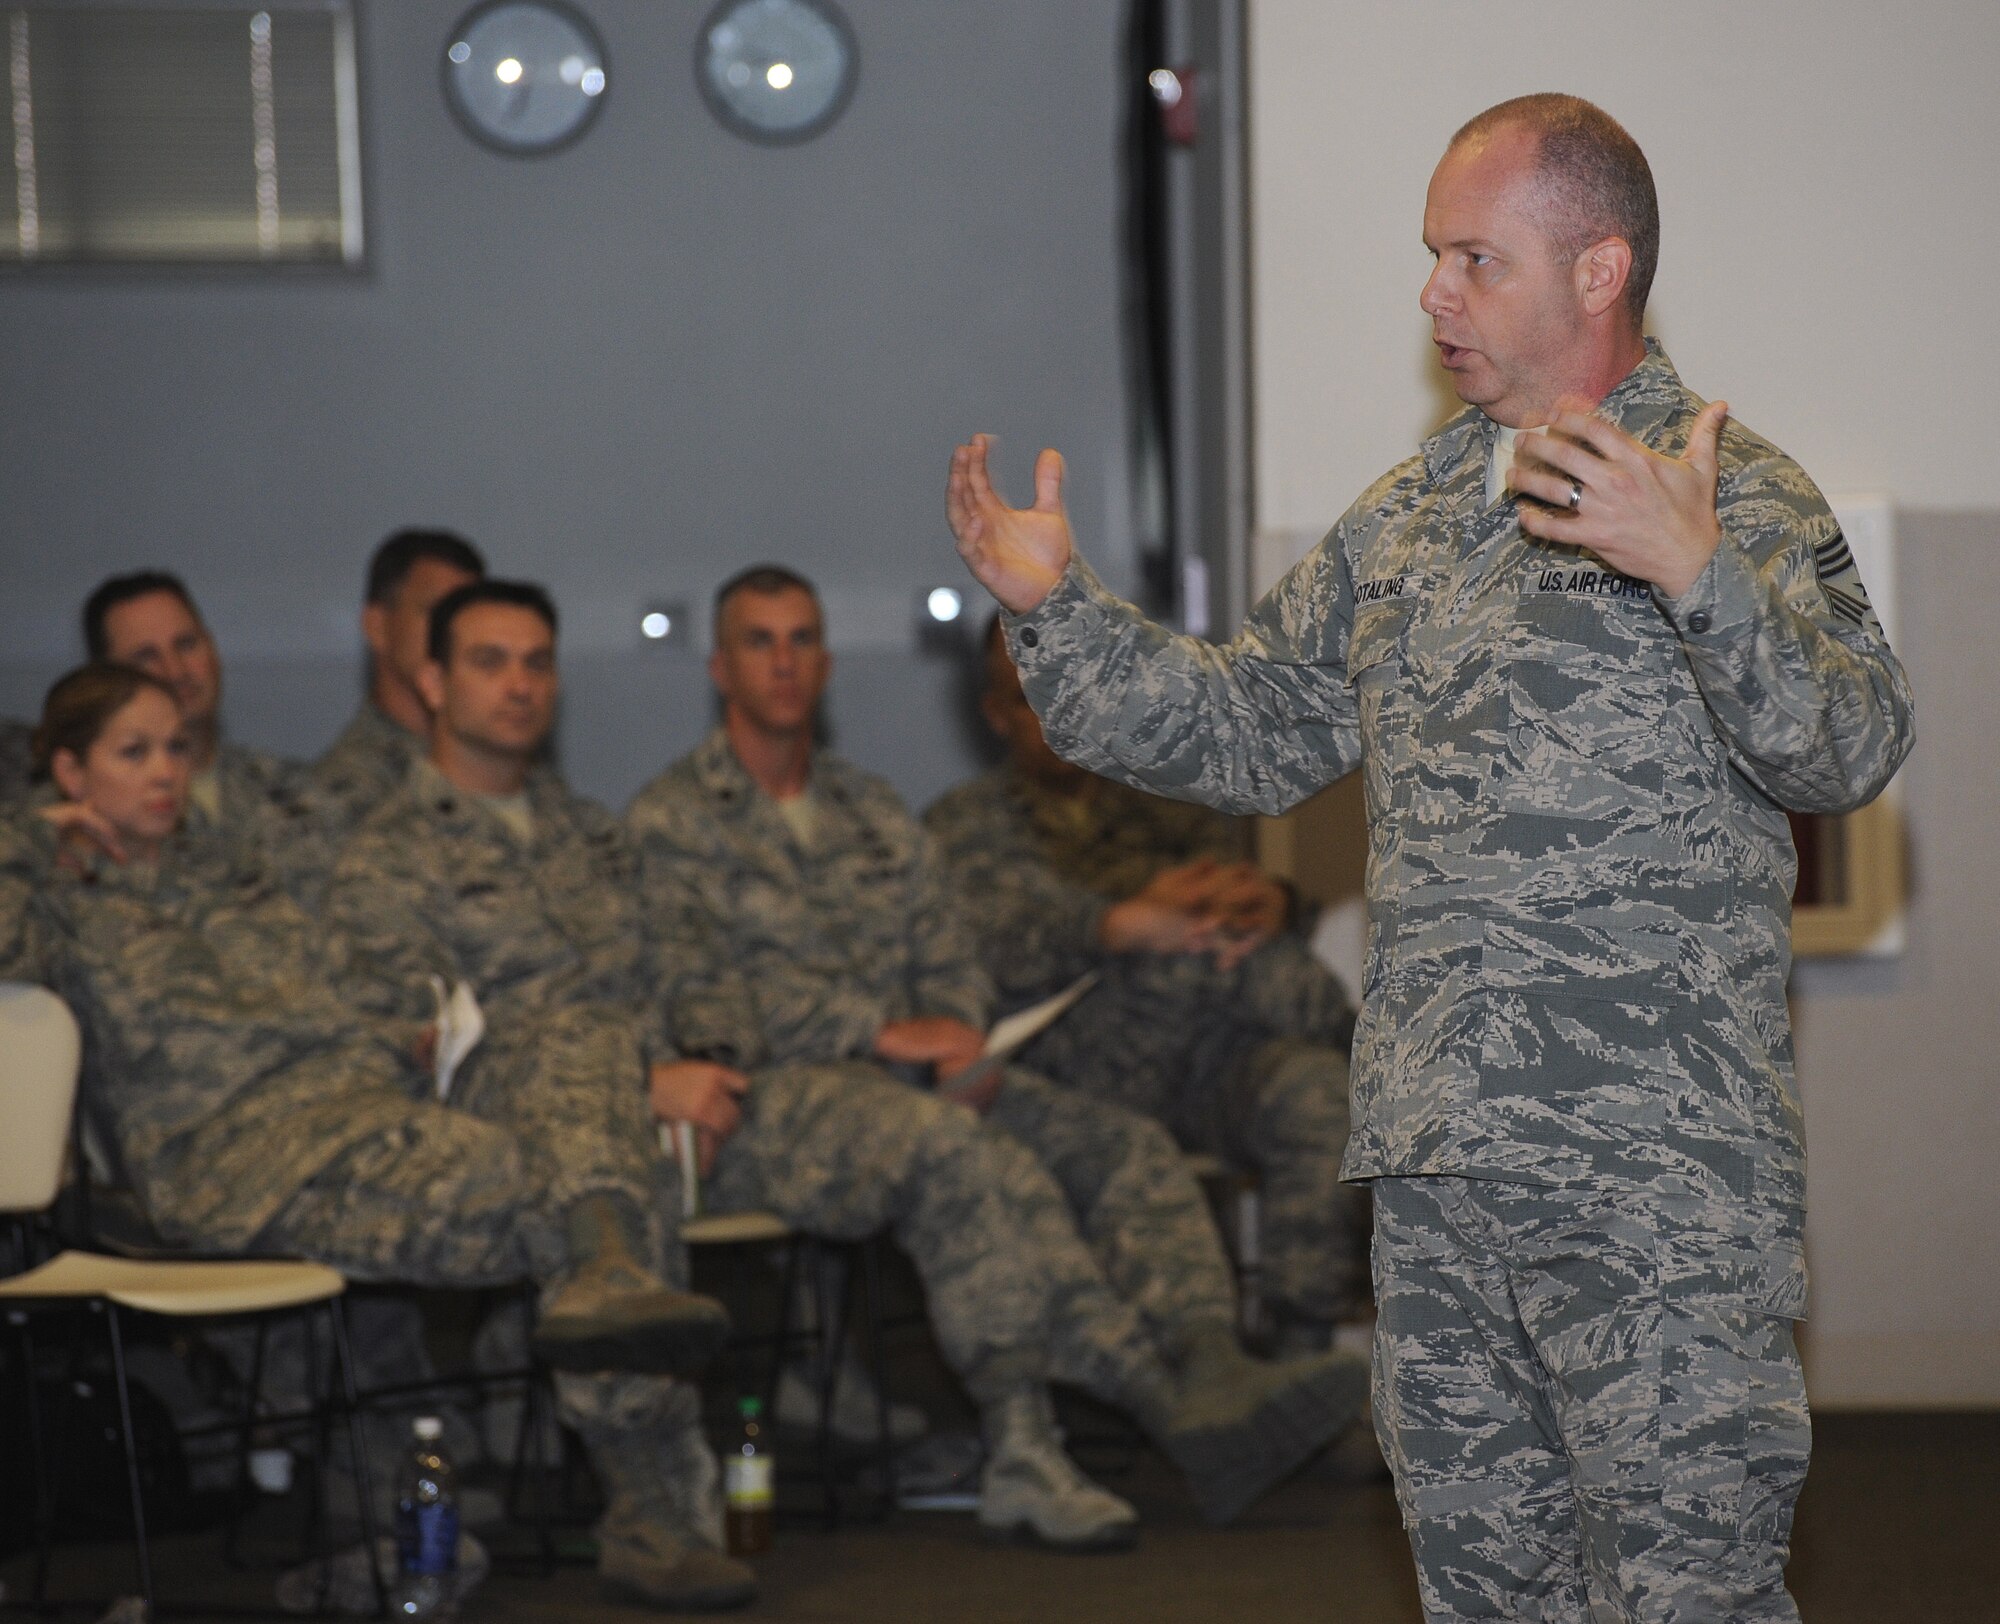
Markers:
<point>749,1488</point>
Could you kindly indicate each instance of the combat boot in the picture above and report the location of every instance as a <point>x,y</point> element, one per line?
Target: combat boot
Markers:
<point>614,1313</point>
<point>1237,1426</point>
<point>657,1542</point>
<point>1031,1489</point>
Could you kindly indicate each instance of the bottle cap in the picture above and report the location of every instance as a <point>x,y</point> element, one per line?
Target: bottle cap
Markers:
<point>750,1408</point>
<point>428,1427</point>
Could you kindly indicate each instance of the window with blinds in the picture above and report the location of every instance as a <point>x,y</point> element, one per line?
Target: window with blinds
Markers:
<point>202,133</point>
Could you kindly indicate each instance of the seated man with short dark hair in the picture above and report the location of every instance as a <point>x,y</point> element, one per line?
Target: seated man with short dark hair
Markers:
<point>483,868</point>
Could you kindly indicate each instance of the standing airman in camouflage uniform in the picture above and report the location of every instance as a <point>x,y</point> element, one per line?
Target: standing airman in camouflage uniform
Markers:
<point>814,927</point>
<point>1583,676</point>
<point>243,803</point>
<point>1211,1015</point>
<point>254,1103</point>
<point>369,762</point>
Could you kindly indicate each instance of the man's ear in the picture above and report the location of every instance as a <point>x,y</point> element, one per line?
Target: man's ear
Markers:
<point>375,628</point>
<point>1602,270</point>
<point>67,771</point>
<point>715,669</point>
<point>430,684</point>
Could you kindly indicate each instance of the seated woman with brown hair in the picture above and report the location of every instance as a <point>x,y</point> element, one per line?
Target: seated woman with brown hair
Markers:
<point>112,742</point>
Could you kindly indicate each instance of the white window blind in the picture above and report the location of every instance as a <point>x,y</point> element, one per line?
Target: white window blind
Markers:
<point>162,132</point>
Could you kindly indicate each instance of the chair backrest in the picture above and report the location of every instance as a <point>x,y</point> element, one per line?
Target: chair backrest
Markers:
<point>40,1051</point>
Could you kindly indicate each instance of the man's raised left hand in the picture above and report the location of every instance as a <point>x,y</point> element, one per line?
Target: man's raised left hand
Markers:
<point>1649,516</point>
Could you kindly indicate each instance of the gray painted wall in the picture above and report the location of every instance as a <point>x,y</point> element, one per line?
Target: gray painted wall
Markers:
<point>625,369</point>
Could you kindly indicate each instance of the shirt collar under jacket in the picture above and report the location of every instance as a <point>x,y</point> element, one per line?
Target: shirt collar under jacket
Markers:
<point>1471,435</point>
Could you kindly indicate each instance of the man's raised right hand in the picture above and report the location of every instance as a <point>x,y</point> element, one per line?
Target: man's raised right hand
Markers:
<point>1017,554</point>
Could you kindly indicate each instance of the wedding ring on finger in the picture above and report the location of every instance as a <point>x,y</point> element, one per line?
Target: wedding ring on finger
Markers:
<point>1575,494</point>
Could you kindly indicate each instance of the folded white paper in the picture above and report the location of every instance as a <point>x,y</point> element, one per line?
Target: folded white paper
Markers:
<point>1012,1032</point>
<point>460,1025</point>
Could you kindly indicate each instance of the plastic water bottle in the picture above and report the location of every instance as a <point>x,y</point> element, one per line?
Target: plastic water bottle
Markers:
<point>749,1489</point>
<point>426,1527</point>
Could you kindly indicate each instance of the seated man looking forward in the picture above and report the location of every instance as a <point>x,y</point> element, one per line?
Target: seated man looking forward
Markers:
<point>1211,1015</point>
<point>806,921</point>
<point>484,869</point>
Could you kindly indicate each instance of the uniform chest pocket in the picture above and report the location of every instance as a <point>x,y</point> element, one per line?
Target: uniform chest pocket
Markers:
<point>1378,653</point>
<point>1593,684</point>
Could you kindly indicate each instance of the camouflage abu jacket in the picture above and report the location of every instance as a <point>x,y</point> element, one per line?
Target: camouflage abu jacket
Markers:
<point>267,817</point>
<point>1035,871</point>
<point>433,883</point>
<point>364,767</point>
<point>1579,868</point>
<point>223,1057</point>
<point>778,954</point>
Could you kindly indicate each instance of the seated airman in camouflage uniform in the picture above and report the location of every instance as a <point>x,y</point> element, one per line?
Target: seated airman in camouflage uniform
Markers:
<point>1585,648</point>
<point>368,763</point>
<point>484,869</point>
<point>811,925</point>
<point>242,802</point>
<point>255,1104</point>
<point>1210,1013</point>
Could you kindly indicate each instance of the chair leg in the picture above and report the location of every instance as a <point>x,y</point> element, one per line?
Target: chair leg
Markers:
<point>528,1459</point>
<point>364,1490</point>
<point>65,1403</point>
<point>830,1288</point>
<point>131,1457</point>
<point>871,1333</point>
<point>786,1332</point>
<point>44,1493</point>
<point>245,1486</point>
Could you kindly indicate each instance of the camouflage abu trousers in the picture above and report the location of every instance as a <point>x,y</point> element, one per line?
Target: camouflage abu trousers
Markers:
<point>474,1193</point>
<point>1273,1106</point>
<point>1143,1217</point>
<point>1279,1108</point>
<point>1582,1429</point>
<point>1016,1295</point>
<point>1251,1067</point>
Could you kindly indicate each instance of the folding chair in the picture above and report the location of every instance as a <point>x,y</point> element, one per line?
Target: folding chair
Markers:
<point>1242,1232</point>
<point>40,1050</point>
<point>829,1269</point>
